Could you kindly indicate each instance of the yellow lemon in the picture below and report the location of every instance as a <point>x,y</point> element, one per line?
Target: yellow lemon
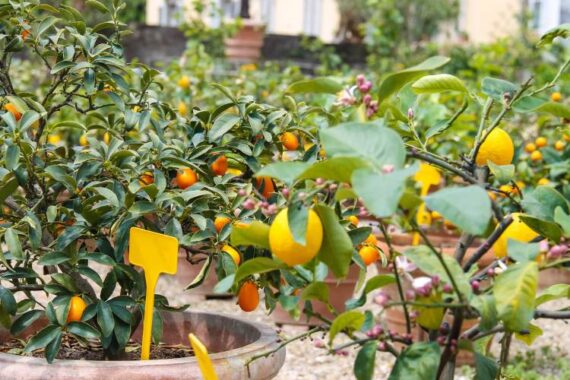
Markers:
<point>498,148</point>
<point>184,82</point>
<point>284,246</point>
<point>517,230</point>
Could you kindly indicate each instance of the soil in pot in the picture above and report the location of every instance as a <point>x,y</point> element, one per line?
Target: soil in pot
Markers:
<point>71,349</point>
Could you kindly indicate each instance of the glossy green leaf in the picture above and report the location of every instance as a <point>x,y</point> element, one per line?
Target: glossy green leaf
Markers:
<point>542,202</point>
<point>24,321</point>
<point>364,362</point>
<point>520,251</point>
<point>515,292</point>
<point>485,368</point>
<point>83,330</point>
<point>544,228</point>
<point>485,305</point>
<point>438,83</point>
<point>13,241</point>
<point>563,220</point>
<point>199,279</point>
<point>255,233</point>
<point>339,169</point>
<point>418,361</point>
<point>297,218</point>
<point>553,292</point>
<point>469,208</point>
<point>105,318</point>
<point>560,31</point>
<point>530,336</point>
<point>256,266</point>
<point>287,172</point>
<point>315,86</point>
<point>373,283</point>
<point>347,322</point>
<point>222,125</point>
<point>394,82</point>
<point>336,249</point>
<point>502,173</point>
<point>42,338</point>
<point>316,291</point>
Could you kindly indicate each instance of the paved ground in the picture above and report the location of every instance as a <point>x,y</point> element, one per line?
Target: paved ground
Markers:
<point>306,362</point>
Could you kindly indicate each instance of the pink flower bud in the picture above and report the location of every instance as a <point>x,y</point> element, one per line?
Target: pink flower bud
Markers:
<point>363,213</point>
<point>333,186</point>
<point>367,99</point>
<point>410,295</point>
<point>318,343</point>
<point>382,346</point>
<point>285,192</point>
<point>557,251</point>
<point>249,204</point>
<point>475,285</point>
<point>237,212</point>
<point>490,272</point>
<point>441,340</point>
<point>543,246</point>
<point>447,288</point>
<point>365,87</point>
<point>319,181</point>
<point>388,168</point>
<point>435,280</point>
<point>410,113</point>
<point>382,299</point>
<point>360,79</point>
<point>242,193</point>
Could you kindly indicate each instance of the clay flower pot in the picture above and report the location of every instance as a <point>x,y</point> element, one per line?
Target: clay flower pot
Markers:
<point>339,291</point>
<point>246,44</point>
<point>230,341</point>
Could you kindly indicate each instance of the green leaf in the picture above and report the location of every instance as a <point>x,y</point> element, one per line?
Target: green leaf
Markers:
<point>97,5</point>
<point>549,230</point>
<point>520,251</point>
<point>378,144</point>
<point>562,31</point>
<point>533,333</point>
<point>542,202</point>
<point>485,368</point>
<point>502,173</point>
<point>426,260</point>
<point>485,305</point>
<point>515,291</point>
<point>7,301</point>
<point>348,322</point>
<point>369,184</point>
<point>315,86</point>
<point>297,217</point>
<point>364,362</point>
<point>554,109</point>
<point>42,338</point>
<point>24,321</point>
<point>563,220</point>
<point>255,266</point>
<point>53,258</point>
<point>29,118</point>
<point>553,292</point>
<point>496,88</point>
<point>316,291</point>
<point>222,125</point>
<point>225,285</point>
<point>336,249</point>
<point>12,157</point>
<point>419,361</point>
<point>8,186</point>
<point>83,329</point>
<point>255,233</point>
<point>339,169</point>
<point>105,318</point>
<point>199,279</point>
<point>394,82</point>
<point>373,283</point>
<point>469,208</point>
<point>53,347</point>
<point>438,83</point>
<point>287,172</point>
<point>13,242</point>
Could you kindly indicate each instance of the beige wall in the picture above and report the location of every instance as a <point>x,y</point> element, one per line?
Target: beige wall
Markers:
<point>487,20</point>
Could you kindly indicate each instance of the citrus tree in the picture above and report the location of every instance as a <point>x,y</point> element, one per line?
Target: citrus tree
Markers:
<point>370,165</point>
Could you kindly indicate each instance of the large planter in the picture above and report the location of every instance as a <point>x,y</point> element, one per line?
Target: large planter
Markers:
<point>245,45</point>
<point>230,341</point>
<point>339,292</point>
<point>553,276</point>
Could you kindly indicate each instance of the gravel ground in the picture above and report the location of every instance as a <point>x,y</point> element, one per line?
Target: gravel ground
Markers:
<point>306,362</point>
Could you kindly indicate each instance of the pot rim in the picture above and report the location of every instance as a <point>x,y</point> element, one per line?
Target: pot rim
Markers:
<point>267,338</point>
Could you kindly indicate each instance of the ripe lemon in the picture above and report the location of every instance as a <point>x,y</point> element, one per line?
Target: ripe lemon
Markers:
<point>54,139</point>
<point>369,254</point>
<point>543,181</point>
<point>289,141</point>
<point>220,222</point>
<point>286,248</point>
<point>353,219</point>
<point>248,296</point>
<point>76,308</point>
<point>184,82</point>
<point>559,145</point>
<point>541,142</point>
<point>232,252</point>
<point>517,230</point>
<point>556,96</point>
<point>536,156</point>
<point>186,178</point>
<point>83,140</point>
<point>530,147</point>
<point>498,148</point>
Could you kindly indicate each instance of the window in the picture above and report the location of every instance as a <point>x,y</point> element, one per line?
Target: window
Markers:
<point>170,12</point>
<point>564,11</point>
<point>312,17</point>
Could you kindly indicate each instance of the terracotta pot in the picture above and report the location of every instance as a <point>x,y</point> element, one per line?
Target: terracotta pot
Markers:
<point>231,342</point>
<point>553,276</point>
<point>339,293</point>
<point>246,45</point>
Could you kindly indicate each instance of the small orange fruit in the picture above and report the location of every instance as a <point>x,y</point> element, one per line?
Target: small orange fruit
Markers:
<point>182,109</point>
<point>248,296</point>
<point>220,222</point>
<point>369,254</point>
<point>147,178</point>
<point>265,186</point>
<point>353,219</point>
<point>566,137</point>
<point>492,195</point>
<point>220,165</point>
<point>536,156</point>
<point>289,141</point>
<point>106,138</point>
<point>13,110</point>
<point>371,240</point>
<point>543,182</point>
<point>54,139</point>
<point>83,140</point>
<point>76,308</point>
<point>435,215</point>
<point>559,145</point>
<point>556,96</point>
<point>530,147</point>
<point>541,142</point>
<point>233,253</point>
<point>184,82</point>
<point>186,178</point>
